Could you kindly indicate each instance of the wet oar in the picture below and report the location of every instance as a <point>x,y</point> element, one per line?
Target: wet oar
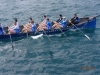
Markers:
<point>46,35</point>
<point>51,53</point>
<point>80,31</point>
<point>27,33</point>
<point>11,41</point>
<point>64,34</point>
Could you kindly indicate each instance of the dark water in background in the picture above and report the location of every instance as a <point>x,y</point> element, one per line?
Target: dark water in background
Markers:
<point>60,57</point>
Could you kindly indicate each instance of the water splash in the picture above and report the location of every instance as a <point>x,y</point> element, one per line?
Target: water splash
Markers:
<point>36,37</point>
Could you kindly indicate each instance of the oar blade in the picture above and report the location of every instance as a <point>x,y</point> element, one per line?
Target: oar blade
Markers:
<point>87,37</point>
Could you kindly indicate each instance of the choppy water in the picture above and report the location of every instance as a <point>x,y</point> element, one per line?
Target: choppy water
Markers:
<point>60,57</point>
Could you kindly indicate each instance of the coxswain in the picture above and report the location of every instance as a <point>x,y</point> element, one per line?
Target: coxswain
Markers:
<point>75,19</point>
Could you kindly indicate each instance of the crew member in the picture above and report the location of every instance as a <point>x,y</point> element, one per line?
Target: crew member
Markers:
<point>43,23</point>
<point>61,24</point>
<point>32,27</point>
<point>75,19</point>
<point>47,26</point>
<point>14,28</point>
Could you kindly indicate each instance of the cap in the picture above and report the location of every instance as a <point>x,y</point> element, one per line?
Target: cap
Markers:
<point>63,17</point>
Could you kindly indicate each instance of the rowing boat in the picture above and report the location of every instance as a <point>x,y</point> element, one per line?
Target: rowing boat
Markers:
<point>85,23</point>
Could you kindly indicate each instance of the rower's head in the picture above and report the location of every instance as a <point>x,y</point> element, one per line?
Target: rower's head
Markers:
<point>32,22</point>
<point>60,16</point>
<point>44,16</point>
<point>47,19</point>
<point>16,20</point>
<point>30,18</point>
<point>75,15</point>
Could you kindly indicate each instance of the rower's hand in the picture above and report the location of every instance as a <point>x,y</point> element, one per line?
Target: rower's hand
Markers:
<point>69,21</point>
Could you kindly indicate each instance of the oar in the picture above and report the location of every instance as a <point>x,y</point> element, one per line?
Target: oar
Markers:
<point>64,34</point>
<point>51,53</point>
<point>11,41</point>
<point>46,35</point>
<point>80,31</point>
<point>27,33</point>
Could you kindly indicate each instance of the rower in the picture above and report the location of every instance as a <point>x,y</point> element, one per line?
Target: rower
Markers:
<point>1,29</point>
<point>75,19</point>
<point>47,26</point>
<point>61,24</point>
<point>44,18</point>
<point>30,20</point>
<point>27,25</point>
<point>31,27</point>
<point>60,18</point>
<point>14,28</point>
<point>43,23</point>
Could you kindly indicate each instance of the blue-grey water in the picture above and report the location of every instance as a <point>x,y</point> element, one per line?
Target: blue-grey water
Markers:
<point>58,57</point>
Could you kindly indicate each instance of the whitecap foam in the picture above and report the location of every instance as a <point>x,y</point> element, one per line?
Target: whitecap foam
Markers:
<point>36,37</point>
<point>55,35</point>
<point>73,30</point>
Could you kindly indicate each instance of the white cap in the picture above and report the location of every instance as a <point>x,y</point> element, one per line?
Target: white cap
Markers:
<point>63,17</point>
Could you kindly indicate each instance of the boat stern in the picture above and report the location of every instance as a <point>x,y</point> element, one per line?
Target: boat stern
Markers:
<point>90,24</point>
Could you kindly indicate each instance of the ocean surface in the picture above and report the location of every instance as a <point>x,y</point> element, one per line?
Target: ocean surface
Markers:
<point>58,57</point>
